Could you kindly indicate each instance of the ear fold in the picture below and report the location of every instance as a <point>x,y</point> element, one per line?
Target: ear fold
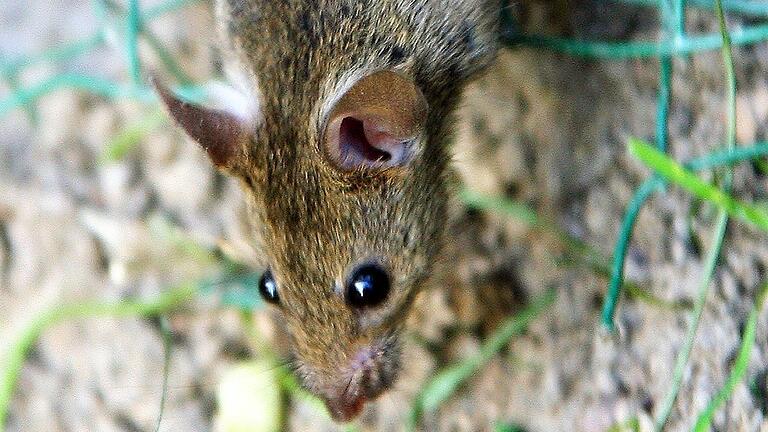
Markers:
<point>220,132</point>
<point>374,124</point>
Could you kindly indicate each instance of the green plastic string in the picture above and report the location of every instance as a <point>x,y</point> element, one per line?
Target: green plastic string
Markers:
<point>54,55</point>
<point>620,250</point>
<point>77,48</point>
<point>133,23</point>
<point>723,158</point>
<point>673,17</point>
<point>68,51</point>
<point>132,40</point>
<point>153,41</point>
<point>99,86</point>
<point>31,109</point>
<point>751,8</point>
<point>640,50</point>
<point>22,97</point>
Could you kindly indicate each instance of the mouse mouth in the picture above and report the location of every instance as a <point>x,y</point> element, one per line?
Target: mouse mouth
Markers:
<point>371,371</point>
<point>346,410</point>
<point>349,403</point>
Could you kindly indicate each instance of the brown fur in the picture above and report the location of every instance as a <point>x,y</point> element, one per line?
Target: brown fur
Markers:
<point>319,222</point>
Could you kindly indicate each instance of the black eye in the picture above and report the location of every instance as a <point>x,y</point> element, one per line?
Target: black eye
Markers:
<point>268,288</point>
<point>368,286</point>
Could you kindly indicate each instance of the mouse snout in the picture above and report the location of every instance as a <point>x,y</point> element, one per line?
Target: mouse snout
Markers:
<point>370,372</point>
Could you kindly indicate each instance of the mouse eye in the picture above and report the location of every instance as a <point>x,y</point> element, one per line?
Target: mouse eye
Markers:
<point>268,288</point>
<point>368,286</point>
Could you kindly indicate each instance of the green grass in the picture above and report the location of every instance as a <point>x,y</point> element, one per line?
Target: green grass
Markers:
<point>165,331</point>
<point>131,23</point>
<point>740,365</point>
<point>124,142</point>
<point>686,179</point>
<point>165,303</point>
<point>447,381</point>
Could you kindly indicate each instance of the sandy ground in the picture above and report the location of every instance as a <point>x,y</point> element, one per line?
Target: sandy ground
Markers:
<point>544,129</point>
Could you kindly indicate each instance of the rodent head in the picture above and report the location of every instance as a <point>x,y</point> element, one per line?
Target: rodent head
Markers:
<point>344,162</point>
<point>351,232</point>
<point>350,226</point>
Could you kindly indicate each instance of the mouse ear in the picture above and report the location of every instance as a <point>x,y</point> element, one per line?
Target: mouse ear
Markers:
<point>376,122</point>
<point>219,131</point>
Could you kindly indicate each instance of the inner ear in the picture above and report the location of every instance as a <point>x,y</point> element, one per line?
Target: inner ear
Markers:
<point>376,123</point>
<point>360,140</point>
<point>355,139</point>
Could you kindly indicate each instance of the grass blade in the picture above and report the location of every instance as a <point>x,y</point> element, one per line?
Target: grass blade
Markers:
<point>722,224</point>
<point>676,173</point>
<point>739,367</point>
<point>444,384</point>
<point>165,331</point>
<point>119,146</point>
<point>20,349</point>
<point>681,361</point>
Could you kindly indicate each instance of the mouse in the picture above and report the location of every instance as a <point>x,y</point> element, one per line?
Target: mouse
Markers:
<point>339,133</point>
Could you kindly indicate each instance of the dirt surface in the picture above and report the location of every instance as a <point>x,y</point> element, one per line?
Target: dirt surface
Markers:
<point>547,130</point>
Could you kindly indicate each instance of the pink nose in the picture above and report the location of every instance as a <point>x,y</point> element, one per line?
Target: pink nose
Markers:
<point>368,375</point>
<point>345,408</point>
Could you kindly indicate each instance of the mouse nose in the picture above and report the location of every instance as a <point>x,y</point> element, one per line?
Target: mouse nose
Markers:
<point>344,409</point>
<point>369,374</point>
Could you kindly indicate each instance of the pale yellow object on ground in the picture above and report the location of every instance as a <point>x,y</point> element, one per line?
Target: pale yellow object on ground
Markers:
<point>249,399</point>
